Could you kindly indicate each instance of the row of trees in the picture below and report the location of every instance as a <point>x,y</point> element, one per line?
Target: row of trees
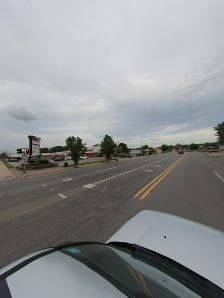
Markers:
<point>220,132</point>
<point>108,147</point>
<point>77,147</point>
<point>53,149</point>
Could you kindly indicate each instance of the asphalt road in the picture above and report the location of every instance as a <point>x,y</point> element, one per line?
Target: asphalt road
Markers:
<point>92,202</point>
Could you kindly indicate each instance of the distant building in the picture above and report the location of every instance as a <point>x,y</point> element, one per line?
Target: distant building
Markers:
<point>158,150</point>
<point>14,155</point>
<point>135,151</point>
<point>93,151</point>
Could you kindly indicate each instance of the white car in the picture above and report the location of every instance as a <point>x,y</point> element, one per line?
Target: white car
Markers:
<point>68,158</point>
<point>83,157</point>
<point>153,255</point>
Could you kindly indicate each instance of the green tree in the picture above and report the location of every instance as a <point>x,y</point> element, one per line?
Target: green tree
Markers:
<point>151,150</point>
<point>44,150</point>
<point>145,147</point>
<point>165,147</point>
<point>108,146</point>
<point>76,146</point>
<point>220,132</point>
<point>194,146</point>
<point>143,151</point>
<point>57,149</point>
<point>171,148</point>
<point>3,155</point>
<point>207,144</point>
<point>123,147</point>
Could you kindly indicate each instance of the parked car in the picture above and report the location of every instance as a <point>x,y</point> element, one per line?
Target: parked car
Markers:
<point>68,158</point>
<point>59,158</point>
<point>83,157</point>
<point>128,155</point>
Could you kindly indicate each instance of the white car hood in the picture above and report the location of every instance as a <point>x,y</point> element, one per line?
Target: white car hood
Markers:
<point>196,246</point>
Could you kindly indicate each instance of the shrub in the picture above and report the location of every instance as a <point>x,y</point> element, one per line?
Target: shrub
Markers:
<point>31,161</point>
<point>43,161</point>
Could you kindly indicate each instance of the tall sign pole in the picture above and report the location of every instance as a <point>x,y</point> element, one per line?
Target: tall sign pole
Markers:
<point>34,147</point>
<point>24,163</point>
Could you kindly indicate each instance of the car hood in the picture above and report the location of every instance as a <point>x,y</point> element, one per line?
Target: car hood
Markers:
<point>196,246</point>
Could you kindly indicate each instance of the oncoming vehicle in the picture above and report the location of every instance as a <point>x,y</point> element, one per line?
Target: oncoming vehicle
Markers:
<point>83,157</point>
<point>181,151</point>
<point>152,255</point>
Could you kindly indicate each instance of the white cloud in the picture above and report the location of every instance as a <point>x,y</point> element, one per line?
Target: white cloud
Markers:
<point>148,71</point>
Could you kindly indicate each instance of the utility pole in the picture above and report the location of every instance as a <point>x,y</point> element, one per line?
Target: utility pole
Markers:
<point>24,157</point>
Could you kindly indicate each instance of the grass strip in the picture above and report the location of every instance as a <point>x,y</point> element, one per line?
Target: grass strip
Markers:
<point>8,165</point>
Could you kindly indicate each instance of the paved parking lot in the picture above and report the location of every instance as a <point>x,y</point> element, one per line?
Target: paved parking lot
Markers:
<point>61,163</point>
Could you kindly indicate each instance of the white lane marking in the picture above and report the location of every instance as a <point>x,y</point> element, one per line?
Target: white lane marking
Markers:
<point>148,170</point>
<point>89,185</point>
<point>219,176</point>
<point>62,196</point>
<point>202,159</point>
<point>94,184</point>
<point>67,179</point>
<point>106,169</point>
<point>51,188</point>
<point>44,184</point>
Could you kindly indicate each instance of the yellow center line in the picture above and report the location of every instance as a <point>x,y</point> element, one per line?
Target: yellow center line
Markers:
<point>136,278</point>
<point>145,285</point>
<point>141,190</point>
<point>167,172</point>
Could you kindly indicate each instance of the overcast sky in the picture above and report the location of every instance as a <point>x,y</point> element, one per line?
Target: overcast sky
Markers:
<point>144,72</point>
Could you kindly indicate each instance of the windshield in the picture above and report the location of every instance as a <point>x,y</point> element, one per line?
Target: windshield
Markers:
<point>138,272</point>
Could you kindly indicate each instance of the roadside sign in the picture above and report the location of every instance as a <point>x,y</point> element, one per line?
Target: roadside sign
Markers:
<point>24,157</point>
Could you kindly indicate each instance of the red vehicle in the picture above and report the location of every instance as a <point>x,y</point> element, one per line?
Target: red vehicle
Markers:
<point>181,151</point>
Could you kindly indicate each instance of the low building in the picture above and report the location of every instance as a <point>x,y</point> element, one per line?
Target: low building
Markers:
<point>15,156</point>
<point>158,150</point>
<point>135,151</point>
<point>93,151</point>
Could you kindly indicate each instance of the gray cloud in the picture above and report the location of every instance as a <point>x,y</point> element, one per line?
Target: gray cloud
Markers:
<point>147,72</point>
<point>20,113</point>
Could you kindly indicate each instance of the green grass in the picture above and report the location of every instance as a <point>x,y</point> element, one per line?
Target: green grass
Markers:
<point>8,165</point>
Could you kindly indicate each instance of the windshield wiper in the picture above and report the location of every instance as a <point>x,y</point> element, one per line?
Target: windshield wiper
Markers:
<point>187,277</point>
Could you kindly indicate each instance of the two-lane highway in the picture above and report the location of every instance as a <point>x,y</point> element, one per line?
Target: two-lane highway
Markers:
<point>94,201</point>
